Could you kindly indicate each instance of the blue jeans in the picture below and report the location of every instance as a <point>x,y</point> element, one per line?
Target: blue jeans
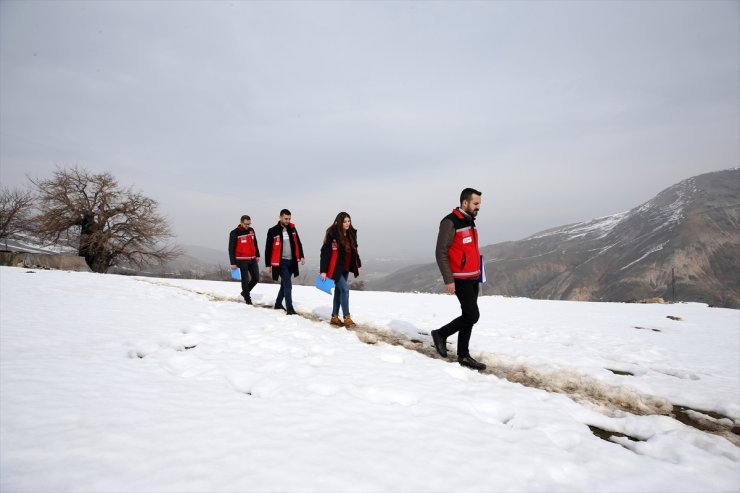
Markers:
<point>286,285</point>
<point>341,295</point>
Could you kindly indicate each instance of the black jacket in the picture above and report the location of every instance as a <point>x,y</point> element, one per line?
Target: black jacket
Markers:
<point>354,263</point>
<point>277,230</point>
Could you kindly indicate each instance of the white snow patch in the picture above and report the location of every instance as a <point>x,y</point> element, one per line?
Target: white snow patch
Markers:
<point>654,249</point>
<point>600,227</point>
<point>111,384</point>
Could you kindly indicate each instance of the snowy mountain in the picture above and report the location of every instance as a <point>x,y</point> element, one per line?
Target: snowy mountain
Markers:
<point>690,231</point>
<point>118,384</point>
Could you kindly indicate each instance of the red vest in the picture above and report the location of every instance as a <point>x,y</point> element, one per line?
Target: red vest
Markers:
<point>277,246</point>
<point>246,248</point>
<point>463,253</point>
<point>333,259</point>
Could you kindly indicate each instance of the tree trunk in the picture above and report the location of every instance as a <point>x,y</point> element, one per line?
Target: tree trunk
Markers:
<point>96,256</point>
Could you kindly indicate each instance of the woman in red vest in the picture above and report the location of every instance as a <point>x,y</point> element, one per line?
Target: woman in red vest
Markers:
<point>339,257</point>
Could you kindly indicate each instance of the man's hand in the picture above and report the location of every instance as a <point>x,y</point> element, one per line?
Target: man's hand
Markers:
<point>450,288</point>
<point>303,261</point>
<point>268,268</point>
<point>233,266</point>
<point>323,276</point>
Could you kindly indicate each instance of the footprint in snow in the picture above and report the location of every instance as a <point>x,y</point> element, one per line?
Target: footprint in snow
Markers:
<point>315,361</point>
<point>242,382</point>
<point>385,395</point>
<point>682,374</point>
<point>492,412</point>
<point>391,357</point>
<point>323,389</point>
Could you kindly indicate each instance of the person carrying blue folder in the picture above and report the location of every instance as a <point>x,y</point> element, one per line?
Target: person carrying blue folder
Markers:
<point>244,254</point>
<point>339,257</point>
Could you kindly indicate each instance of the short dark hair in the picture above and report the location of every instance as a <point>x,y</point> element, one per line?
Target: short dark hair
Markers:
<point>245,217</point>
<point>285,212</point>
<point>467,193</point>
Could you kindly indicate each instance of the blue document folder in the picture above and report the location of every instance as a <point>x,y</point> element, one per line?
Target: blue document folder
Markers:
<point>326,285</point>
<point>236,274</point>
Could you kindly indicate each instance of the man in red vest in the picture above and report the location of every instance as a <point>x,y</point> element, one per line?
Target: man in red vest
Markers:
<point>459,261</point>
<point>283,251</point>
<point>245,254</point>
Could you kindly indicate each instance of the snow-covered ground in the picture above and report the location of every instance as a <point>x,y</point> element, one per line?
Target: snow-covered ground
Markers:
<point>112,383</point>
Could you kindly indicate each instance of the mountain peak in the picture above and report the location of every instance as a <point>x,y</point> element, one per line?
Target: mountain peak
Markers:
<point>687,233</point>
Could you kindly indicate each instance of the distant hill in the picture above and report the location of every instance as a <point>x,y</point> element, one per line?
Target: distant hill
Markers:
<point>196,262</point>
<point>691,228</point>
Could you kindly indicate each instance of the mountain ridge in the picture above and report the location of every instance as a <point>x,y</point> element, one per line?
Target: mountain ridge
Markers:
<point>688,233</point>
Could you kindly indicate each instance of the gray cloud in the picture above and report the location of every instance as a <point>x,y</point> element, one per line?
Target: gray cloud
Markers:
<point>558,111</point>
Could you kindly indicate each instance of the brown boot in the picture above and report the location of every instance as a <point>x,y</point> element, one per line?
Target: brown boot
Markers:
<point>348,322</point>
<point>335,321</point>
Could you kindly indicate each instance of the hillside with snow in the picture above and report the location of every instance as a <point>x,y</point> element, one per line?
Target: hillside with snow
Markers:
<point>117,384</point>
<point>688,233</point>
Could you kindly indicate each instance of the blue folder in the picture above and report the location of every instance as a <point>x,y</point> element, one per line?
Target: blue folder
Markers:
<point>236,274</point>
<point>326,285</point>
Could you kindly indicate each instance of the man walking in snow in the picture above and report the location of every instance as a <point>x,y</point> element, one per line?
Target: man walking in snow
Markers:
<point>245,254</point>
<point>459,261</point>
<point>283,251</point>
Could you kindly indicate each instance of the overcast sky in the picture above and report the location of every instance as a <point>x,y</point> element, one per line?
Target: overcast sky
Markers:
<point>558,111</point>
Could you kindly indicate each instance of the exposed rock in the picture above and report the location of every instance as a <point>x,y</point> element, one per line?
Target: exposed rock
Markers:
<point>688,233</point>
<point>43,261</point>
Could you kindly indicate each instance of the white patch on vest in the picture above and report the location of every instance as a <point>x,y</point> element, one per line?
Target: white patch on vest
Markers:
<point>467,240</point>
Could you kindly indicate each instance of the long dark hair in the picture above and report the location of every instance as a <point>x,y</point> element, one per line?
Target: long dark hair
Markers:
<point>336,230</point>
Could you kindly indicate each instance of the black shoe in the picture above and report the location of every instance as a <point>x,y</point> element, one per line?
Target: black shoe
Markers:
<point>248,301</point>
<point>291,312</point>
<point>471,363</point>
<point>278,307</point>
<point>439,343</point>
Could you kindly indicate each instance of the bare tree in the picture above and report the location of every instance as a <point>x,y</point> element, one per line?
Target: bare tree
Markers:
<point>15,211</point>
<point>114,225</point>
<point>357,285</point>
<point>266,277</point>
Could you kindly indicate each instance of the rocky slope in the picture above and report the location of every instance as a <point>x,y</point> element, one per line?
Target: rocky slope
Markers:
<point>689,232</point>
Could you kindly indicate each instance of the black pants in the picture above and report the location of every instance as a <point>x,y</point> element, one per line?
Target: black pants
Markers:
<point>250,272</point>
<point>467,293</point>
